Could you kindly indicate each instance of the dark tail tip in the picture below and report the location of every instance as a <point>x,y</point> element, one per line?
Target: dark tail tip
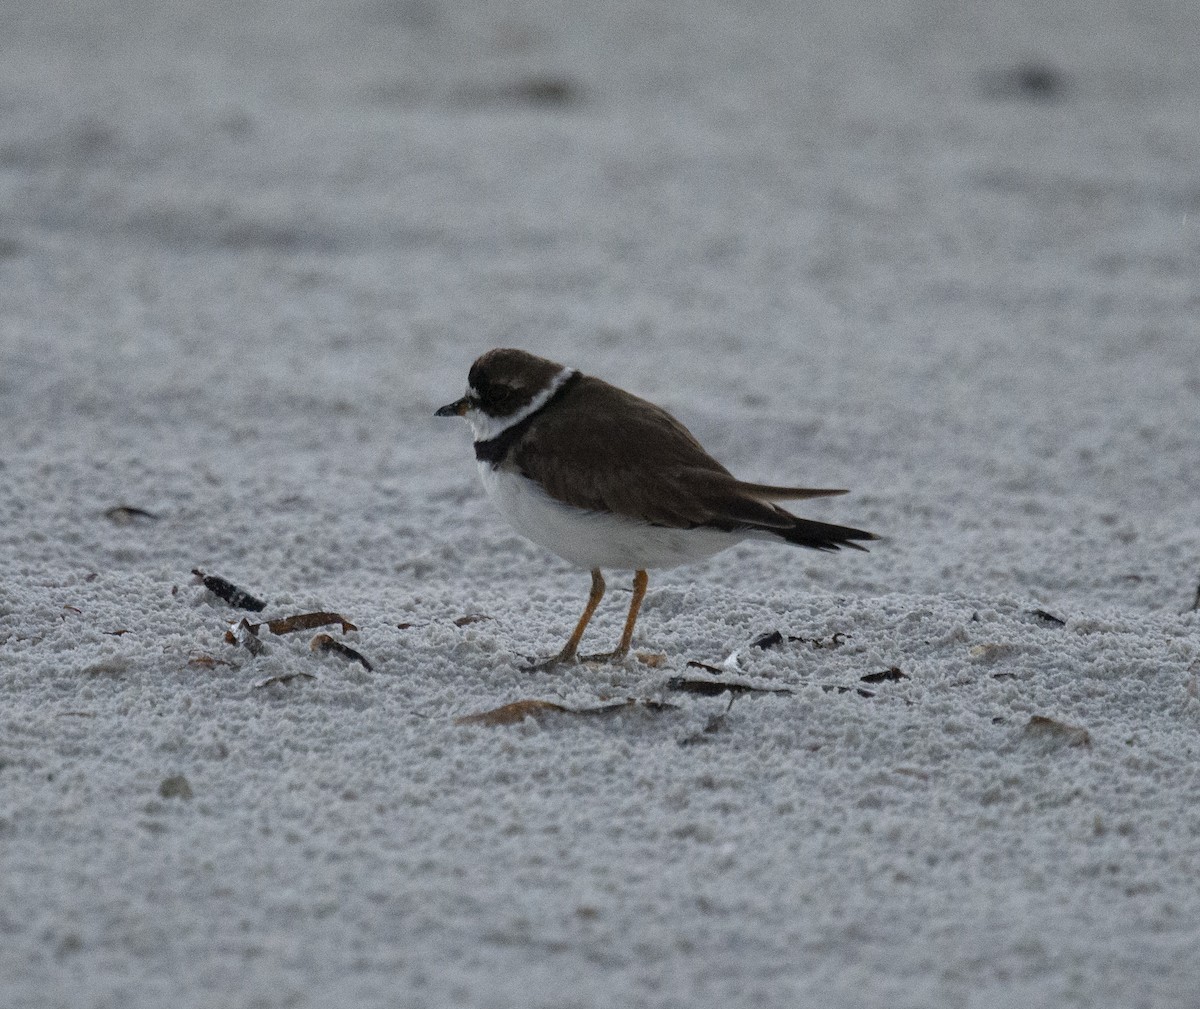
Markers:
<point>824,536</point>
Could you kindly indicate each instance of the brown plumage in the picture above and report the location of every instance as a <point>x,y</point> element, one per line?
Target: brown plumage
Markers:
<point>632,458</point>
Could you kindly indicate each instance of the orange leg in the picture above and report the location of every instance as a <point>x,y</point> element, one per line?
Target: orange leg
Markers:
<point>594,598</point>
<point>640,581</point>
<point>572,645</point>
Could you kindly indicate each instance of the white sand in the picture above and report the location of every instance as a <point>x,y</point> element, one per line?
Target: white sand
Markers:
<point>245,251</point>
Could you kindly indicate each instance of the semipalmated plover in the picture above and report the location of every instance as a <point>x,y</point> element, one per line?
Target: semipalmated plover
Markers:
<point>607,480</point>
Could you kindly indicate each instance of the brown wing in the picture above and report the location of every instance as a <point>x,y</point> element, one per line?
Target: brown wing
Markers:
<point>769,492</point>
<point>633,458</point>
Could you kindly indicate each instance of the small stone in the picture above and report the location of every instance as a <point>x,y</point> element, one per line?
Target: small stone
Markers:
<point>175,787</point>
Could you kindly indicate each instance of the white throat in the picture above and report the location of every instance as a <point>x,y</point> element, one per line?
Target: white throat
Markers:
<point>486,427</point>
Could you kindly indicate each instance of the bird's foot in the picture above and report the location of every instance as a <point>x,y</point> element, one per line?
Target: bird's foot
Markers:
<point>616,655</point>
<point>563,658</point>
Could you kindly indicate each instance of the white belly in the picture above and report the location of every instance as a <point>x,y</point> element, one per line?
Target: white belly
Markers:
<point>595,539</point>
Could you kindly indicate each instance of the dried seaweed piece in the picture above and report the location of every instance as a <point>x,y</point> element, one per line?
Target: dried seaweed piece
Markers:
<point>890,675</point>
<point>282,678</point>
<point>836,641</point>
<point>704,688</point>
<point>471,618</point>
<point>711,688</point>
<point>307,621</point>
<point>208,662</point>
<point>123,515</point>
<point>237,598</point>
<point>117,633</point>
<point>829,688</point>
<point>327,644</point>
<point>1056,733</point>
<point>1048,618</point>
<point>512,713</point>
<point>770,640</point>
<point>649,705</point>
<point>517,711</point>
<point>693,664</point>
<point>655,660</point>
<point>245,634</point>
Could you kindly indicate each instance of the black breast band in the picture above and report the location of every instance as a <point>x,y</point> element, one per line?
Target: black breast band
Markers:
<point>495,449</point>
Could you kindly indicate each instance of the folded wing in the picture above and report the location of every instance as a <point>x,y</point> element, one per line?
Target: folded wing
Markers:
<point>634,459</point>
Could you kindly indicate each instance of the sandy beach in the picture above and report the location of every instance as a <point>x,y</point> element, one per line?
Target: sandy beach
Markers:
<point>944,255</point>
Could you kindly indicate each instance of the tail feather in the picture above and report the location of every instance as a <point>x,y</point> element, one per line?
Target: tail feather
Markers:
<point>769,492</point>
<point>734,505</point>
<point>822,535</point>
